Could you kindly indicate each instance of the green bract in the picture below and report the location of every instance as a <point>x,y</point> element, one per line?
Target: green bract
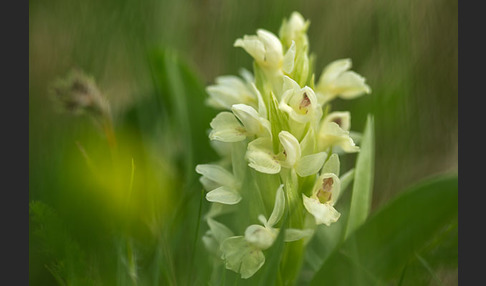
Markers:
<point>275,133</point>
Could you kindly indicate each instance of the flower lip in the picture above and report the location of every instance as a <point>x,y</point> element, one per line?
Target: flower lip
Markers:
<point>305,102</point>
<point>324,194</point>
<point>338,121</point>
<point>300,103</point>
<point>341,118</point>
<point>260,237</point>
<point>327,188</point>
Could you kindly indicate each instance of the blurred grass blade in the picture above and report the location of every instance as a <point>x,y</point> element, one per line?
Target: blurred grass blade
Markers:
<point>427,266</point>
<point>67,258</point>
<point>182,94</point>
<point>363,180</point>
<point>180,102</point>
<point>378,251</point>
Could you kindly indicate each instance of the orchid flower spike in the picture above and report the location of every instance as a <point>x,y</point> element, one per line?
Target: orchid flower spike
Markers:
<point>275,130</point>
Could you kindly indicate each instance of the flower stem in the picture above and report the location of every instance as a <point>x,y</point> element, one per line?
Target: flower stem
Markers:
<point>293,251</point>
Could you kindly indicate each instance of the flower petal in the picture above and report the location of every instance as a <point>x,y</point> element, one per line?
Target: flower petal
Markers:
<point>217,209</point>
<point>233,249</point>
<point>263,219</point>
<point>253,122</point>
<point>226,128</point>
<point>240,257</point>
<point>260,158</point>
<point>278,208</point>
<point>265,48</point>
<point>251,262</point>
<point>308,143</point>
<point>262,162</point>
<point>259,236</point>
<point>208,184</point>
<point>334,69</point>
<point>210,242</point>
<point>273,48</point>
<point>229,90</point>
<point>262,110</point>
<point>224,195</point>
<point>222,148</point>
<point>291,147</point>
<point>331,134</point>
<point>253,46</point>
<point>332,165</point>
<point>350,85</point>
<point>293,28</point>
<point>218,230</point>
<point>341,118</point>
<point>289,58</point>
<point>247,75</point>
<point>290,84</point>
<point>336,80</point>
<point>310,164</point>
<point>323,213</point>
<point>217,174</point>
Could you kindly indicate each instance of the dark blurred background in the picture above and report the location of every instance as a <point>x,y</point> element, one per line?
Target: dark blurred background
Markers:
<point>407,51</point>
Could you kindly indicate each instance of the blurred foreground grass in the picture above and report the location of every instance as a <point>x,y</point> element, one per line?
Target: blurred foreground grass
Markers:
<point>152,60</point>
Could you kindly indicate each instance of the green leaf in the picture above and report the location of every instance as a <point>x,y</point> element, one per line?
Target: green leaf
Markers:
<point>363,180</point>
<point>377,252</point>
<point>439,257</point>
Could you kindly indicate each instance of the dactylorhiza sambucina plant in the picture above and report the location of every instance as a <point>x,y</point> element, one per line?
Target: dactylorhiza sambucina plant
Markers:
<point>280,145</point>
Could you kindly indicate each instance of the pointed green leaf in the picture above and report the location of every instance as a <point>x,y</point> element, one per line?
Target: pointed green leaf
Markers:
<point>377,252</point>
<point>363,180</point>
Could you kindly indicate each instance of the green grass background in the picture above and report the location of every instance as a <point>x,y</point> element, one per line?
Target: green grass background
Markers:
<point>152,60</point>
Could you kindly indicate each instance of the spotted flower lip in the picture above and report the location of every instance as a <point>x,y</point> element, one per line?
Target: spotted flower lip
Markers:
<point>321,203</point>
<point>334,131</point>
<point>325,194</point>
<point>341,118</point>
<point>300,103</point>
